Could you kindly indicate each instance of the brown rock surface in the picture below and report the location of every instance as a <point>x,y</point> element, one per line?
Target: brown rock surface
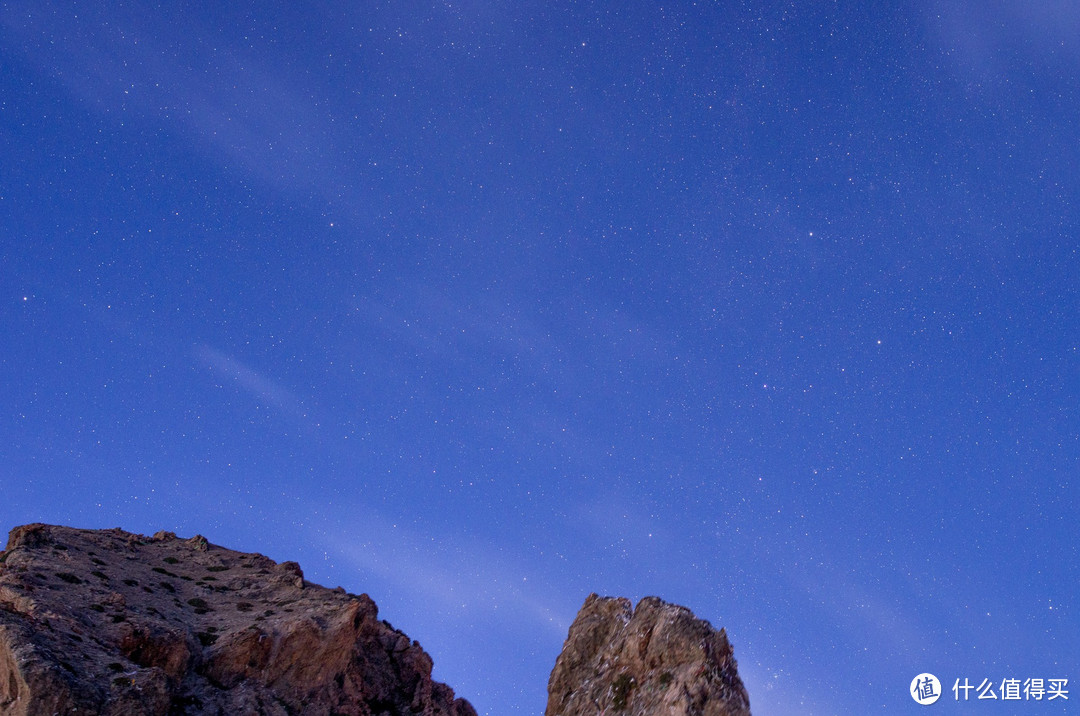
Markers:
<point>652,660</point>
<point>109,622</point>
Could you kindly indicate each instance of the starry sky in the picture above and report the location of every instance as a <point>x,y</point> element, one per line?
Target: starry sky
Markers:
<point>768,309</point>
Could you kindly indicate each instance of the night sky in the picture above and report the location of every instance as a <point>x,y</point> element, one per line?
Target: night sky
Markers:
<point>767,309</point>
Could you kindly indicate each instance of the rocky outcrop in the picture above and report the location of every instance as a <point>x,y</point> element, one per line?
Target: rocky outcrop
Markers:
<point>108,622</point>
<point>657,659</point>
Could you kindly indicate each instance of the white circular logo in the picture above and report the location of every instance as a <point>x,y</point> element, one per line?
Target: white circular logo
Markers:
<point>925,689</point>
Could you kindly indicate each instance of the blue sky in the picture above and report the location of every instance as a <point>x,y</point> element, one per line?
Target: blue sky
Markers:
<point>765,309</point>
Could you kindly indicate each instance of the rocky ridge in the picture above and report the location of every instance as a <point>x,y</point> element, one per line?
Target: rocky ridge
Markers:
<point>110,622</point>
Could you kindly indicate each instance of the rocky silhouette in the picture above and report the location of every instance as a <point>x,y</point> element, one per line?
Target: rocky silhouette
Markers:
<point>110,622</point>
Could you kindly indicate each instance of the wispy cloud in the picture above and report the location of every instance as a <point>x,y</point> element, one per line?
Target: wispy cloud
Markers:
<point>980,36</point>
<point>263,389</point>
<point>244,113</point>
<point>453,575</point>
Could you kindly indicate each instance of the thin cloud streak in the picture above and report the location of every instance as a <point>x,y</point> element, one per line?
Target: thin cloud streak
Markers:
<point>259,386</point>
<point>470,576</point>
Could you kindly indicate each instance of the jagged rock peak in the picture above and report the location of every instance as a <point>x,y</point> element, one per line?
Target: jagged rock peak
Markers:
<point>109,622</point>
<point>656,659</point>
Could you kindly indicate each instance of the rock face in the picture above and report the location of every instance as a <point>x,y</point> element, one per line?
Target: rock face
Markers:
<point>108,622</point>
<point>657,659</point>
